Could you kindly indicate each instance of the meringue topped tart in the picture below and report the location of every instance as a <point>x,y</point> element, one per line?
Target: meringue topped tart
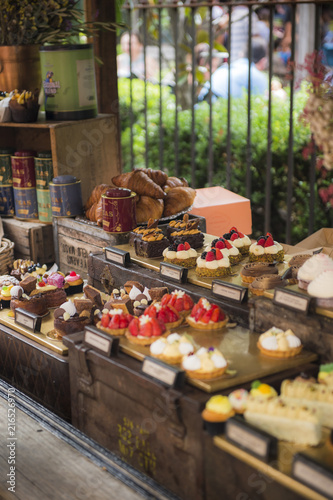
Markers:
<point>205,364</point>
<point>265,249</point>
<point>277,343</point>
<point>173,348</point>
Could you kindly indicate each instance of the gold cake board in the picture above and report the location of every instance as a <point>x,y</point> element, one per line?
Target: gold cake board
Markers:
<point>279,470</point>
<point>239,347</point>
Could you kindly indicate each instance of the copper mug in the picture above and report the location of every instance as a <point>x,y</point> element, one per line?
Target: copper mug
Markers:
<point>118,210</point>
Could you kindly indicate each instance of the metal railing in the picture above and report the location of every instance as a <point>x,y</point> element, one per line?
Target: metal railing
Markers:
<point>174,29</point>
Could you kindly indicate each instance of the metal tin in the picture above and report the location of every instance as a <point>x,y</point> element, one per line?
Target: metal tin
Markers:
<point>44,205</point>
<point>6,201</point>
<point>43,169</point>
<point>66,196</point>
<point>118,210</point>
<point>6,166</point>
<point>25,200</point>
<point>23,169</point>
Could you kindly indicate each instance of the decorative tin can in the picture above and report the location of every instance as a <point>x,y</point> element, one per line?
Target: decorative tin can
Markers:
<point>66,196</point>
<point>23,169</point>
<point>44,205</point>
<point>25,200</point>
<point>69,83</point>
<point>43,169</point>
<point>118,210</point>
<point>6,201</point>
<point>6,166</point>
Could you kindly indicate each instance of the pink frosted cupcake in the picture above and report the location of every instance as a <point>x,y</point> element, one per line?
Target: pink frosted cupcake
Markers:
<point>321,288</point>
<point>75,283</point>
<point>311,269</point>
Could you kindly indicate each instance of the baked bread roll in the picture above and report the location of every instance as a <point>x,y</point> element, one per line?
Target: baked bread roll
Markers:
<point>157,176</point>
<point>148,208</point>
<point>96,194</point>
<point>139,182</point>
<point>173,182</point>
<point>177,200</point>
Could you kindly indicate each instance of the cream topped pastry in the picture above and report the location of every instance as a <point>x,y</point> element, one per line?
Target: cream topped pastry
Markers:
<point>239,240</point>
<point>265,249</point>
<point>321,288</point>
<point>227,249</point>
<point>217,411</point>
<point>279,343</point>
<point>212,264</point>
<point>268,282</point>
<point>180,254</point>
<point>205,363</point>
<point>238,400</point>
<point>173,348</point>
<point>314,266</point>
<point>261,391</point>
<point>253,270</point>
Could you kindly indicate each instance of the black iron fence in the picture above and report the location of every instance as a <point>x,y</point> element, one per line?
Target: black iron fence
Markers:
<point>194,102</point>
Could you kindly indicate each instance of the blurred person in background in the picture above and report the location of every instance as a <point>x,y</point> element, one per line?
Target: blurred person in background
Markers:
<point>132,62</point>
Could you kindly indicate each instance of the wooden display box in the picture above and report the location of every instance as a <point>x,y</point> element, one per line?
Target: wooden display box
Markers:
<point>88,149</point>
<point>33,240</point>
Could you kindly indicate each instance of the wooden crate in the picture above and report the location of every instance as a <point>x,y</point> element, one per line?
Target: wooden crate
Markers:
<point>88,149</point>
<point>33,240</point>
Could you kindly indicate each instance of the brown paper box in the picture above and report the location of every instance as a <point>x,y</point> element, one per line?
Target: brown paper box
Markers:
<point>320,239</point>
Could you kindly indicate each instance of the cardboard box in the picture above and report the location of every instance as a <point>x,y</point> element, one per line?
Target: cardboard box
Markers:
<point>222,210</point>
<point>322,239</point>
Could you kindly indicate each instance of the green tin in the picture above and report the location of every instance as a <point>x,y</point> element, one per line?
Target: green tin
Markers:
<point>6,166</point>
<point>44,205</point>
<point>69,83</point>
<point>43,169</point>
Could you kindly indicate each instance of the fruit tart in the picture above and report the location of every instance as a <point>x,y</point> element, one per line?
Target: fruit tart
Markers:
<point>265,249</point>
<point>173,348</point>
<point>180,254</point>
<point>212,264</point>
<point>227,249</point>
<point>239,240</point>
<point>115,322</point>
<point>207,316</point>
<point>277,343</point>
<point>145,330</point>
<point>165,313</point>
<point>180,300</point>
<point>205,364</point>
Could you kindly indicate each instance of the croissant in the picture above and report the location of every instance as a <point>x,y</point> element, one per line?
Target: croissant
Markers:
<point>140,183</point>
<point>173,182</point>
<point>148,208</point>
<point>96,194</point>
<point>99,212</point>
<point>158,176</point>
<point>90,213</point>
<point>177,200</point>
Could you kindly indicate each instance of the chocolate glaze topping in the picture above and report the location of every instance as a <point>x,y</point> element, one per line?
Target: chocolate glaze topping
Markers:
<point>268,282</point>
<point>256,269</point>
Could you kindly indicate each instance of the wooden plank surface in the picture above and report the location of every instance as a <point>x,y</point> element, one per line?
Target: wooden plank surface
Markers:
<point>49,468</point>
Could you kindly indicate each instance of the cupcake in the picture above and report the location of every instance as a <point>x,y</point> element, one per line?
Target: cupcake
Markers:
<point>277,343</point>
<point>75,283</point>
<point>180,254</point>
<point>314,266</point>
<point>227,249</point>
<point>238,400</point>
<point>5,296</point>
<point>265,249</point>
<point>212,264</point>
<point>217,411</point>
<point>180,300</point>
<point>239,240</point>
<point>253,270</point>
<point>325,375</point>
<point>205,364</point>
<point>262,391</point>
<point>321,288</point>
<point>207,316</point>
<point>173,348</point>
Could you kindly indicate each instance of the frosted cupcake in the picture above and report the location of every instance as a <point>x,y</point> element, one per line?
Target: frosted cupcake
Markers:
<point>75,283</point>
<point>173,348</point>
<point>277,343</point>
<point>205,364</point>
<point>265,249</point>
<point>321,288</point>
<point>314,266</point>
<point>5,296</point>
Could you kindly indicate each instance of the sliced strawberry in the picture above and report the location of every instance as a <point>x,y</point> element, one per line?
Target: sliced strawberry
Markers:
<point>173,299</point>
<point>228,244</point>
<point>220,244</point>
<point>151,311</point>
<point>215,316</point>
<point>179,304</point>
<point>261,242</point>
<point>200,313</point>
<point>241,235</point>
<point>172,314</point>
<point>207,316</point>
<point>105,320</point>
<point>146,329</point>
<point>180,247</point>
<point>233,229</point>
<point>269,234</point>
<point>234,237</point>
<point>163,316</point>
<point>269,242</point>
<point>115,321</point>
<point>222,315</point>
<point>218,254</point>
<point>188,302</point>
<point>210,256</point>
<point>195,310</point>
<point>187,245</point>
<point>166,298</point>
<point>123,323</point>
<point>156,327</point>
<point>134,327</point>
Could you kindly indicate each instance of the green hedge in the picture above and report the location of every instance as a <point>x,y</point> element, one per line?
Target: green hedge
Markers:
<point>280,142</point>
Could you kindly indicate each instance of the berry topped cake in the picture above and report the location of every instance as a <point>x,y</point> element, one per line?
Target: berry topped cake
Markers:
<point>186,231</point>
<point>239,240</point>
<point>207,316</point>
<point>227,249</point>
<point>180,301</point>
<point>212,264</point>
<point>266,250</point>
<point>180,254</point>
<point>165,313</point>
<point>145,330</point>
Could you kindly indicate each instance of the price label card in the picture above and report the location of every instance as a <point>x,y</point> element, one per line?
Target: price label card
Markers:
<point>117,256</point>
<point>292,300</point>
<point>169,375</point>
<point>249,438</point>
<point>28,319</point>
<point>229,291</point>
<point>173,272</point>
<point>313,474</point>
<point>100,341</point>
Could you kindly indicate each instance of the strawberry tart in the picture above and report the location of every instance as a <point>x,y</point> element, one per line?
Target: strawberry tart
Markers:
<point>213,264</point>
<point>165,313</point>
<point>227,249</point>
<point>205,364</point>
<point>173,348</point>
<point>180,301</point>
<point>239,240</point>
<point>115,322</point>
<point>145,330</point>
<point>207,316</point>
<point>180,254</point>
<point>265,249</point>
